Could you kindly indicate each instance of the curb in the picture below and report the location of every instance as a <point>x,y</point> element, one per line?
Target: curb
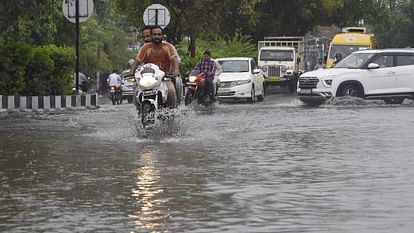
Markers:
<point>15,105</point>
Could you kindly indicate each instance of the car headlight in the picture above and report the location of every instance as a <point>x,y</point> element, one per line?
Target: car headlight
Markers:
<point>241,82</point>
<point>327,81</point>
<point>264,68</point>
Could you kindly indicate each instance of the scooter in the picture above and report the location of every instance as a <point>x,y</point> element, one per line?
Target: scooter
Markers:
<point>152,92</point>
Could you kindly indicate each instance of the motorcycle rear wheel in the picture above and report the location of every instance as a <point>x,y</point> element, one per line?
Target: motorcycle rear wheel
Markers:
<point>113,98</point>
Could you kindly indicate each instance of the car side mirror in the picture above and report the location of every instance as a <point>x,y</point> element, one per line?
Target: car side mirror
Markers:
<point>373,66</point>
<point>256,71</point>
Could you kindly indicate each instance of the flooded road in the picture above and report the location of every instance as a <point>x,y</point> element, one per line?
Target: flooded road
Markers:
<point>274,166</point>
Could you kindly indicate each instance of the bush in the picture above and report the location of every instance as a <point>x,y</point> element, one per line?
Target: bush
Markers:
<point>238,46</point>
<point>14,57</point>
<point>27,70</point>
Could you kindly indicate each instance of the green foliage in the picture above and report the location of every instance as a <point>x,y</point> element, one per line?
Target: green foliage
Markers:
<point>14,57</point>
<point>43,70</point>
<point>61,78</point>
<point>237,46</point>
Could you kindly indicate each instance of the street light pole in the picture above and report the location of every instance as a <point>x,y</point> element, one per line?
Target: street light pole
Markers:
<point>77,47</point>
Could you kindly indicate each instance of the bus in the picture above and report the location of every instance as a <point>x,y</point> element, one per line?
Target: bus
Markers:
<point>349,40</point>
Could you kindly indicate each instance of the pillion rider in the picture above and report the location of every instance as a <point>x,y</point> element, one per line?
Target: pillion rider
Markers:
<point>162,55</point>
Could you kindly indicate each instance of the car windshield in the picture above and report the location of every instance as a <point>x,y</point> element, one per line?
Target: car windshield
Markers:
<point>229,66</point>
<point>354,61</point>
<point>276,55</point>
<point>344,50</point>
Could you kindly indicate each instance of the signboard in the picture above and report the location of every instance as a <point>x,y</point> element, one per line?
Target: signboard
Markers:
<point>85,10</point>
<point>156,14</point>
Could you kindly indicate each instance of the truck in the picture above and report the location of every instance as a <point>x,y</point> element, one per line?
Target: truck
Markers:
<point>282,60</point>
<point>349,40</point>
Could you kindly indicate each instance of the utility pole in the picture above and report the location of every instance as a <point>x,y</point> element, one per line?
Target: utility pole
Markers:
<point>77,47</point>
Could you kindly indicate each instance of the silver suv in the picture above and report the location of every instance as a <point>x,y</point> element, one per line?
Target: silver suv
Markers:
<point>386,74</point>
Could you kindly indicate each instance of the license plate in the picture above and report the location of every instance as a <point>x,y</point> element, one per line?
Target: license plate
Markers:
<point>305,91</point>
<point>274,78</point>
<point>223,89</point>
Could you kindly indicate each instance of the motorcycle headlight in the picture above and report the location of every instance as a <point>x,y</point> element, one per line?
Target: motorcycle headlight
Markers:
<point>147,82</point>
<point>192,78</point>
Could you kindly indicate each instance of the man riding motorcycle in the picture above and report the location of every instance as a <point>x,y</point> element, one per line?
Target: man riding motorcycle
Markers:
<point>161,54</point>
<point>209,68</point>
<point>115,80</point>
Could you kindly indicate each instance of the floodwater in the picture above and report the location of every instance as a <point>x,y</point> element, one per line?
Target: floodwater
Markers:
<point>274,166</point>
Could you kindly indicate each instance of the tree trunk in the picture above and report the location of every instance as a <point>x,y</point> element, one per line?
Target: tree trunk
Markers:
<point>192,46</point>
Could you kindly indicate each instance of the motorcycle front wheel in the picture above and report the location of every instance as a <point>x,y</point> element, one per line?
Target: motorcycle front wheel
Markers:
<point>188,98</point>
<point>147,114</point>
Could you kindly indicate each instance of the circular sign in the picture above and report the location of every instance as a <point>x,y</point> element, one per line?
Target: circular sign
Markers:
<point>85,10</point>
<point>156,14</point>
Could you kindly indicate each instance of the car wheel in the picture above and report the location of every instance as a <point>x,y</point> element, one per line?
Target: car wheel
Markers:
<point>260,97</point>
<point>129,98</point>
<point>351,90</point>
<point>396,100</point>
<point>252,95</point>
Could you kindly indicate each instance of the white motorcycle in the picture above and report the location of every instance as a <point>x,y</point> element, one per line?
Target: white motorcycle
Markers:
<point>152,91</point>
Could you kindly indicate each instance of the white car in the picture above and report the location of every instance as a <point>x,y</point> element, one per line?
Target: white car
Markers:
<point>240,79</point>
<point>386,74</point>
<point>128,85</point>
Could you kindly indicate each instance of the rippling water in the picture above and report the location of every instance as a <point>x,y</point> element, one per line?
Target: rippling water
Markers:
<point>275,166</point>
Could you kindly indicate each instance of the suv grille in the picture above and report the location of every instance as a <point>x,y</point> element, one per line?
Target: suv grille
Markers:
<point>308,82</point>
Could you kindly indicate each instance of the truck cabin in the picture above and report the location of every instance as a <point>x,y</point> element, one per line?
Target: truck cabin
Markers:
<point>276,55</point>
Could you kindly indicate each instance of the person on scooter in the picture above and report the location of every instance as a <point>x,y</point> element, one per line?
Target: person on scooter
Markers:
<point>162,55</point>
<point>209,68</point>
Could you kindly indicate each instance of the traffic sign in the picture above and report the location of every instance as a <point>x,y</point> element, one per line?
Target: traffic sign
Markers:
<point>85,10</point>
<point>156,14</point>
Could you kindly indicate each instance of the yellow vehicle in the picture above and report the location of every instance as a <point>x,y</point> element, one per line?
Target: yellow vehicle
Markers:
<point>350,40</point>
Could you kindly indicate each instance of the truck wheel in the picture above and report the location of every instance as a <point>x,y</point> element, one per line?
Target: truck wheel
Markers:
<point>292,85</point>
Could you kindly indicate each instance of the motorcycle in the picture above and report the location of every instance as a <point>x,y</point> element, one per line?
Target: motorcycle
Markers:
<point>196,86</point>
<point>152,91</point>
<point>115,94</point>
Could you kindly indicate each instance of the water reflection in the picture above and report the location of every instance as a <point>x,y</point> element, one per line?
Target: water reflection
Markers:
<point>146,194</point>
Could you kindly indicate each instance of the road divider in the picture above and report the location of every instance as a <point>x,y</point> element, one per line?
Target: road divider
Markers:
<point>47,103</point>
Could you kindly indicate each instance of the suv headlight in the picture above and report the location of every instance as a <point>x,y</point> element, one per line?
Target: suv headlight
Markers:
<point>327,81</point>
